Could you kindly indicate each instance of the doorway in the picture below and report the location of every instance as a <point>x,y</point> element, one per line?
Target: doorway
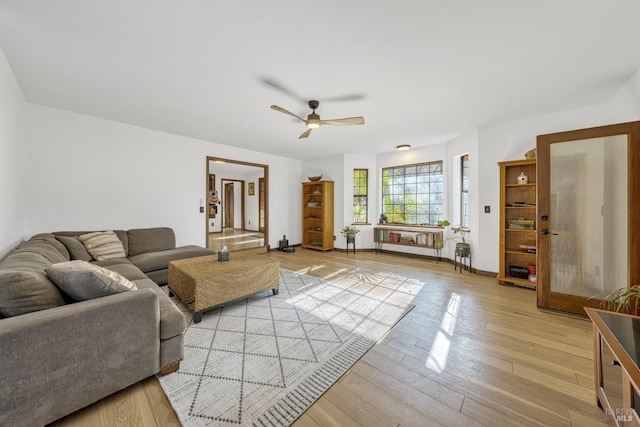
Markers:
<point>261,205</point>
<point>588,215</point>
<point>242,220</point>
<point>233,203</point>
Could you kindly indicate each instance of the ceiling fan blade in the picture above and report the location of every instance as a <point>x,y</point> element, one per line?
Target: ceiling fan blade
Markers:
<point>305,134</point>
<point>284,89</point>
<point>343,122</point>
<point>350,97</point>
<point>282,110</point>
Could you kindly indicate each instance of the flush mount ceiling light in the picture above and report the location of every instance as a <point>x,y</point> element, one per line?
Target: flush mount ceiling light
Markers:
<point>403,147</point>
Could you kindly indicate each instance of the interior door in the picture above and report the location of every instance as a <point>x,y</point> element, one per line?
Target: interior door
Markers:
<point>229,202</point>
<point>588,224</point>
<point>261,205</point>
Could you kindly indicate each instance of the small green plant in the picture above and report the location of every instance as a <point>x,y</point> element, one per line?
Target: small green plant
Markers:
<point>349,230</point>
<point>456,229</point>
<point>623,300</point>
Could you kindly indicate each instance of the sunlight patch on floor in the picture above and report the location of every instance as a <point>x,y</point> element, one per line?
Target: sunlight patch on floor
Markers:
<point>312,268</point>
<point>439,352</point>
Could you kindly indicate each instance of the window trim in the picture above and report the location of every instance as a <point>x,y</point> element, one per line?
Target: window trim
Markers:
<point>432,222</point>
<point>359,196</point>
<point>464,158</point>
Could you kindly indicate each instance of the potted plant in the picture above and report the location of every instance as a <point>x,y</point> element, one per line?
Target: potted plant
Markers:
<point>463,248</point>
<point>350,232</point>
<point>623,300</point>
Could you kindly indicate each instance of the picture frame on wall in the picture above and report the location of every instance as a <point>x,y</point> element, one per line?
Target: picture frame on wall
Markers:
<point>252,189</point>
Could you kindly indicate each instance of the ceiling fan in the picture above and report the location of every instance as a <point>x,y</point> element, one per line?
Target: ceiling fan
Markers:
<point>313,120</point>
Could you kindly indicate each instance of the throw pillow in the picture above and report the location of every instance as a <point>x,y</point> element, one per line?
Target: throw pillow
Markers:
<point>76,248</point>
<point>82,280</point>
<point>103,245</point>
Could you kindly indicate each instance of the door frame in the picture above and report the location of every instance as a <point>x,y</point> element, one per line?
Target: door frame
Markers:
<point>571,303</point>
<point>261,203</point>
<point>223,183</point>
<point>265,175</point>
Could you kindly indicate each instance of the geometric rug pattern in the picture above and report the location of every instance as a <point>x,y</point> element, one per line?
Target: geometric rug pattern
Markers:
<point>265,360</point>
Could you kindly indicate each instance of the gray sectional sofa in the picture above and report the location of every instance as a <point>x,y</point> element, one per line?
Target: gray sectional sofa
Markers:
<point>59,355</point>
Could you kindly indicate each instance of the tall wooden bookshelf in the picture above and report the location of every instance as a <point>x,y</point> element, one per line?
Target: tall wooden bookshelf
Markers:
<point>317,215</point>
<point>518,221</point>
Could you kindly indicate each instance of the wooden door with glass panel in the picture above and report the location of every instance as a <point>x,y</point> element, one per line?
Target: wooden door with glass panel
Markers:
<point>588,215</point>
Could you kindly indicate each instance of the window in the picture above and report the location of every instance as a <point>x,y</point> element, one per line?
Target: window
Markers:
<point>413,194</point>
<point>464,191</point>
<point>360,196</point>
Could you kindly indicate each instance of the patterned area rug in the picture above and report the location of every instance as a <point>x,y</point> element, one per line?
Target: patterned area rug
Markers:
<point>265,360</point>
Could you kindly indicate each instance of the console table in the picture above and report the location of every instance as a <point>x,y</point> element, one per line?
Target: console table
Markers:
<point>616,346</point>
<point>419,237</point>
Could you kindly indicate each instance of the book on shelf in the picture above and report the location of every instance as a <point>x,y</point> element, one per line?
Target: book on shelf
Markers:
<point>426,239</point>
<point>521,204</point>
<point>531,249</point>
<point>525,224</point>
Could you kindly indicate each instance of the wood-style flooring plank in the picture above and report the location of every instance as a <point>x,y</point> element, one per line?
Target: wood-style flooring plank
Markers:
<point>471,351</point>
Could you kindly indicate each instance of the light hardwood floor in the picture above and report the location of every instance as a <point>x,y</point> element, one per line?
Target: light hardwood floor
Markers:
<point>236,240</point>
<point>470,353</point>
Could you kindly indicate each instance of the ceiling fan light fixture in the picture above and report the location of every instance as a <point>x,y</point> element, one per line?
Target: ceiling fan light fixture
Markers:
<point>403,147</point>
<point>313,123</point>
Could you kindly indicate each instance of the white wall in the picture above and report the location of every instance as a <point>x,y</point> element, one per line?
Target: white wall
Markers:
<point>89,173</point>
<point>13,163</point>
<point>625,106</point>
<point>509,141</point>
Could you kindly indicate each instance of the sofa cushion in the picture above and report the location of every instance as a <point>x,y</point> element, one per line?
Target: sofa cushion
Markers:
<point>23,291</point>
<point>159,260</point>
<point>172,321</point>
<point>127,270</point>
<point>47,245</point>
<point>82,280</point>
<point>143,240</point>
<point>107,263</point>
<point>25,261</point>
<point>103,245</point>
<point>77,250</point>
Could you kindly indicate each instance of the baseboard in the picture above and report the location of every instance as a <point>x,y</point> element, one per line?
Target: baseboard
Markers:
<point>422,256</point>
<point>408,255</point>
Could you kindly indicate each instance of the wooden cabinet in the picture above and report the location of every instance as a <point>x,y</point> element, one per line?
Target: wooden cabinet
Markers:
<point>317,215</point>
<point>518,221</point>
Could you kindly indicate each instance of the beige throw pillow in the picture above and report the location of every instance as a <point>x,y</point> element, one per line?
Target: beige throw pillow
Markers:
<point>103,245</point>
<point>82,280</point>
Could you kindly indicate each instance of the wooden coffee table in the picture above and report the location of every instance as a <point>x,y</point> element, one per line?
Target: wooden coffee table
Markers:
<point>203,283</point>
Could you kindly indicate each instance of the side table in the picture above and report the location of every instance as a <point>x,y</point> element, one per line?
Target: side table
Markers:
<point>616,357</point>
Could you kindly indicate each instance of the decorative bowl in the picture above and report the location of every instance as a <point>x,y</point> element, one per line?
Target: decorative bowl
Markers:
<point>315,178</point>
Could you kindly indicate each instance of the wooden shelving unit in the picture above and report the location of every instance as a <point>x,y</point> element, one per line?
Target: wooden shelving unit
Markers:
<point>317,215</point>
<point>518,207</point>
<point>417,237</point>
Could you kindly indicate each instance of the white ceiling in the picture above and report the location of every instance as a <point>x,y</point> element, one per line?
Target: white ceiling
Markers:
<point>425,70</point>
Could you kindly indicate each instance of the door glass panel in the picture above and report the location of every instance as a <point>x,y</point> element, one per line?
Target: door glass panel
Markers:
<point>588,190</point>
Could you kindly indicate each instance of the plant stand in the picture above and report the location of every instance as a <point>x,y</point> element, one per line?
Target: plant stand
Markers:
<point>351,240</point>
<point>464,253</point>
